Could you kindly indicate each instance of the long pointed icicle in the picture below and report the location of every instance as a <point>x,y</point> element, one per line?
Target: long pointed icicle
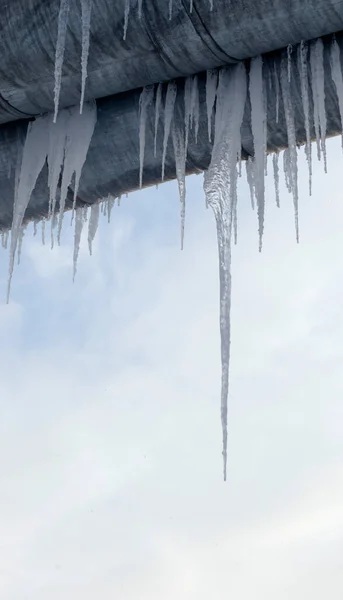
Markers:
<point>93,225</point>
<point>145,100</point>
<point>220,184</point>
<point>337,77</point>
<point>258,125</point>
<point>60,48</point>
<point>318,88</point>
<point>292,142</point>
<point>86,13</point>
<point>195,106</point>
<point>187,108</point>
<point>303,71</point>
<point>168,117</point>
<point>180,164</point>
<point>211,91</point>
<point>34,156</point>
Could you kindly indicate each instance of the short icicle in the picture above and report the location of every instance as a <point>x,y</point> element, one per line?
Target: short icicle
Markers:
<point>168,117</point>
<point>178,137</point>
<point>318,90</point>
<point>292,142</point>
<point>337,77</point>
<point>220,184</point>
<point>158,101</point>
<point>304,84</point>
<point>145,101</point>
<point>79,221</point>
<point>258,125</point>
<point>93,225</point>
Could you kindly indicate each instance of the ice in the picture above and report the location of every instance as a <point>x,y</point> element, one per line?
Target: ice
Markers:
<point>318,91</point>
<point>190,6</point>
<point>4,239</point>
<point>43,231</point>
<point>57,140</point>
<point>34,156</point>
<point>195,106</point>
<point>126,17</point>
<point>277,93</point>
<point>79,135</point>
<point>79,221</point>
<point>60,47</point>
<point>170,9</point>
<point>289,62</point>
<point>145,100</point>
<point>304,84</point>
<point>187,108</point>
<point>178,137</point>
<point>292,147</point>
<point>220,184</point>
<point>86,12</point>
<point>158,101</point>
<point>140,8</point>
<point>276,177</point>
<point>249,167</point>
<point>336,74</point>
<point>168,117</point>
<point>211,91</point>
<point>20,241</point>
<point>93,225</point>
<point>258,126</point>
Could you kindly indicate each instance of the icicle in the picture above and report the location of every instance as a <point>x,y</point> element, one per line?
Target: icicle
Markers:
<point>195,106</point>
<point>34,156</point>
<point>276,178</point>
<point>258,126</point>
<point>220,184</point>
<point>170,9</point>
<point>180,164</point>
<point>249,167</point>
<point>140,9</point>
<point>187,108</point>
<point>126,16</point>
<point>157,113</point>
<point>287,170</point>
<point>336,74</point>
<point>79,220</point>
<point>168,117</point>
<point>303,71</point>
<point>292,147</point>
<point>289,62</point>
<point>211,4</point>
<point>110,205</point>
<point>54,222</point>
<point>57,140</point>
<point>211,91</point>
<point>43,232</point>
<point>35,222</point>
<point>318,90</point>
<point>60,47</point>
<point>4,239</point>
<point>145,100</point>
<point>80,132</point>
<point>20,241</point>
<point>93,225</point>
<point>191,6</point>
<point>86,10</point>
<point>277,93</point>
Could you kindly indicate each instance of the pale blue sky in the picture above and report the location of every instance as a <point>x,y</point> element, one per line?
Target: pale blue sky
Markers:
<point>110,439</point>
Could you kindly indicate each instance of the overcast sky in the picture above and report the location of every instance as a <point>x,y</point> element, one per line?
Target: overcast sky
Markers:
<point>110,439</point>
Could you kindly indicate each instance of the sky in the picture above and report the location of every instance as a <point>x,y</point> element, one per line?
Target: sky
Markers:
<point>110,437</point>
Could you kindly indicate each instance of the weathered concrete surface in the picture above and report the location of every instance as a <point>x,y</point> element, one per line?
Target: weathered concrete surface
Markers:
<point>112,165</point>
<point>156,49</point>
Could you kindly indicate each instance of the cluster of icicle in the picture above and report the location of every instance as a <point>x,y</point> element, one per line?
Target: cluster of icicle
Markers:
<point>63,145</point>
<point>86,14</point>
<point>227,91</point>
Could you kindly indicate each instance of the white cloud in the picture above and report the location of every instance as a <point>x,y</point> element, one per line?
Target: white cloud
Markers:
<point>110,430</point>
